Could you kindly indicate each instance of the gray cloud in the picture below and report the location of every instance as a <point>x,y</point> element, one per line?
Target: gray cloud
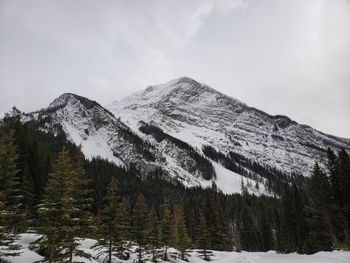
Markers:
<point>288,57</point>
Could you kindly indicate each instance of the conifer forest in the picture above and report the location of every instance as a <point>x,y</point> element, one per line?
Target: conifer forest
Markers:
<point>48,187</point>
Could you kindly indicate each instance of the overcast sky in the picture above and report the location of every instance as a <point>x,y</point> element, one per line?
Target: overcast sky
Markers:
<point>289,57</point>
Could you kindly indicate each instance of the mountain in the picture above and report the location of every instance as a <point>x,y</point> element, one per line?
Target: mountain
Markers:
<point>191,133</point>
<point>87,123</point>
<point>210,121</point>
<point>100,134</point>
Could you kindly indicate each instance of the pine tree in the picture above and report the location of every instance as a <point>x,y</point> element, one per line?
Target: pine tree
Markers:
<point>77,204</point>
<point>154,236</point>
<point>183,240</point>
<point>174,235</point>
<point>166,231</point>
<point>10,206</point>
<point>203,238</point>
<point>60,210</point>
<point>52,211</point>
<point>7,247</point>
<point>123,230</point>
<point>113,227</point>
<point>140,226</point>
<point>334,175</point>
<point>9,182</point>
<point>343,165</point>
<point>318,212</point>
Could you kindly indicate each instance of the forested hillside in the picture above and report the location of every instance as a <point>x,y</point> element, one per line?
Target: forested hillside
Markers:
<point>47,186</point>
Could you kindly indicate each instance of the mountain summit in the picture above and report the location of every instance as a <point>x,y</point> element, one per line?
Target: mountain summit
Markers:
<point>191,133</point>
<point>202,116</point>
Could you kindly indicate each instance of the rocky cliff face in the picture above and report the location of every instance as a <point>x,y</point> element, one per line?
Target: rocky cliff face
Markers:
<point>101,134</point>
<point>193,134</point>
<point>201,116</point>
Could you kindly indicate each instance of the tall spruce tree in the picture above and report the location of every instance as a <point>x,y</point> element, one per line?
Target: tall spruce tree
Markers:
<point>77,204</point>
<point>9,181</point>
<point>113,227</point>
<point>140,223</point>
<point>183,242</point>
<point>166,231</point>
<point>59,211</point>
<point>318,212</point>
<point>344,176</point>
<point>203,238</point>
<point>10,206</point>
<point>52,212</point>
<point>154,236</point>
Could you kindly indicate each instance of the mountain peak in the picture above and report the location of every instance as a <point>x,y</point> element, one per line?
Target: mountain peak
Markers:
<point>65,98</point>
<point>185,79</point>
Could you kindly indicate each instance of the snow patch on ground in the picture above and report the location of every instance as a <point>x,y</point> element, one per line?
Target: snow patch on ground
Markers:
<point>29,256</point>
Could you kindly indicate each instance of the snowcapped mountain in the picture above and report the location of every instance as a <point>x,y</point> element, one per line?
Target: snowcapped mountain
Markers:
<point>202,116</point>
<point>193,134</point>
<point>100,133</point>
<point>88,124</point>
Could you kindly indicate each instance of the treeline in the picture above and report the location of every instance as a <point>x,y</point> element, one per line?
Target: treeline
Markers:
<point>46,186</point>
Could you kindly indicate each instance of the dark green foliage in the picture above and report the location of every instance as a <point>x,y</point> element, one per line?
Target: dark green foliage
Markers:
<point>140,226</point>
<point>293,227</point>
<point>183,241</point>
<point>304,220</point>
<point>10,203</point>
<point>166,231</point>
<point>113,226</point>
<point>154,235</point>
<point>63,212</point>
<point>203,238</point>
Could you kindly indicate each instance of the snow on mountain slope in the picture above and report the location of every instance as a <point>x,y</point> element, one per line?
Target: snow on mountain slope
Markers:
<point>88,124</point>
<point>99,133</point>
<point>200,115</point>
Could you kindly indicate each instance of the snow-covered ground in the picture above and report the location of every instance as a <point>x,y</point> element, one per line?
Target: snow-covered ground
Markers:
<point>29,256</point>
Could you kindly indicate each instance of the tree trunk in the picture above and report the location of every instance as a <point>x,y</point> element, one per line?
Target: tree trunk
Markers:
<point>166,253</point>
<point>51,255</point>
<point>140,255</point>
<point>110,252</point>
<point>70,255</point>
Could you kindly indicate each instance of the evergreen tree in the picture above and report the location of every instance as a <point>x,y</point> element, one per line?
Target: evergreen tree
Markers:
<point>247,231</point>
<point>344,176</point>
<point>334,175</point>
<point>7,247</point>
<point>293,224</point>
<point>154,235</point>
<point>113,227</point>
<point>166,231</point>
<point>203,238</point>
<point>174,235</point>
<point>10,206</point>
<point>140,225</point>
<point>77,204</point>
<point>60,210</point>
<point>184,241</point>
<point>9,182</point>
<point>52,211</point>
<point>318,212</point>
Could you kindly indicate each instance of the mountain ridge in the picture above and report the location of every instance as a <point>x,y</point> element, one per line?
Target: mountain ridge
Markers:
<point>194,134</point>
<point>180,103</point>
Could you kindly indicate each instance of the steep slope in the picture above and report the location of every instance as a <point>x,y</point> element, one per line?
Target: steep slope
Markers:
<point>202,116</point>
<point>88,124</point>
<point>99,133</point>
